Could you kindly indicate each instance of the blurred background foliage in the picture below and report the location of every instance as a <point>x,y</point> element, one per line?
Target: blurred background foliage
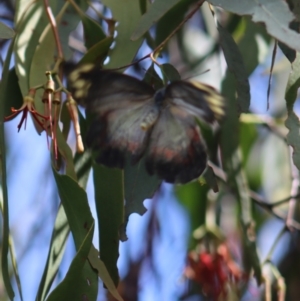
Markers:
<point>187,242</point>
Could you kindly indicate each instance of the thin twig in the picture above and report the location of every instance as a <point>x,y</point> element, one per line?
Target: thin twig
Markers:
<point>270,253</point>
<point>264,203</point>
<point>268,289</point>
<point>271,72</point>
<point>187,17</point>
<point>163,43</point>
<point>259,200</point>
<point>54,28</point>
<point>265,121</point>
<point>294,191</point>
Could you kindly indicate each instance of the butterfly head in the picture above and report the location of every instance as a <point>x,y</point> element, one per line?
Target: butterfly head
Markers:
<point>159,97</point>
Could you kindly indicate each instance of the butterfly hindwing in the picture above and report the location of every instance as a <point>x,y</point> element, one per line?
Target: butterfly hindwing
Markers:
<point>176,150</point>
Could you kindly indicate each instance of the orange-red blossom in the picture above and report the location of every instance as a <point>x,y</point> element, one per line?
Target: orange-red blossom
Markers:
<point>28,106</point>
<point>213,271</point>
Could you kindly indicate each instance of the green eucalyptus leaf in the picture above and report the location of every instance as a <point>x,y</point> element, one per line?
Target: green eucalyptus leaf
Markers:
<point>66,153</point>
<point>65,119</point>
<point>292,122</point>
<point>168,22</point>
<point>293,137</point>
<point>75,203</point>
<point>108,184</point>
<point>236,65</point>
<point>296,9</point>
<point>103,274</point>
<point>293,84</point>
<point>254,40</point>
<point>193,197</point>
<point>58,242</point>
<point>98,52</point>
<point>93,33</point>
<point>5,214</point>
<point>288,52</point>
<point>169,72</point>
<point>125,49</point>
<point>6,32</point>
<point>74,200</point>
<point>80,282</point>
<point>154,13</point>
<point>14,98</point>
<point>275,14</point>
<point>152,78</point>
<point>31,23</point>
<point>138,186</point>
<point>67,22</point>
<point>83,161</point>
<point>61,229</point>
<point>43,60</point>
<point>83,165</point>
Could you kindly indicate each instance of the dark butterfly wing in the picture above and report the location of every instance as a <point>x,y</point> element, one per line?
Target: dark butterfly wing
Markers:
<point>200,100</point>
<point>121,105</point>
<point>93,87</point>
<point>177,151</point>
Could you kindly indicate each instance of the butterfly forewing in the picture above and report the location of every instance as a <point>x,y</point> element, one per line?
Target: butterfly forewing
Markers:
<point>119,104</point>
<point>200,100</point>
<point>117,132</point>
<point>93,87</point>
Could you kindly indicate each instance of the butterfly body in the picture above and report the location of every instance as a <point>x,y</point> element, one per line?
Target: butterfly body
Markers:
<point>130,117</point>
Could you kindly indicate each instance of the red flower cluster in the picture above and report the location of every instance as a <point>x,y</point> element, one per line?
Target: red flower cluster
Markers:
<point>214,272</point>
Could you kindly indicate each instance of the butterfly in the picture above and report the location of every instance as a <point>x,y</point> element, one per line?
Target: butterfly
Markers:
<point>130,117</point>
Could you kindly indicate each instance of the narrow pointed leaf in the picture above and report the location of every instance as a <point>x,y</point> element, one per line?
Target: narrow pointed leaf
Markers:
<point>138,186</point>
<point>14,98</point>
<point>3,175</point>
<point>75,203</point>
<point>169,72</point>
<point>125,49</point>
<point>108,183</point>
<point>78,285</point>
<point>57,248</point>
<point>98,52</point>
<point>103,274</point>
<point>154,13</point>
<point>236,66</point>
<point>6,32</point>
<point>292,122</point>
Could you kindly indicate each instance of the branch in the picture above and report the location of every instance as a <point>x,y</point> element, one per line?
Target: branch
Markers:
<point>164,42</point>
<point>294,191</point>
<point>259,200</point>
<point>54,29</point>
